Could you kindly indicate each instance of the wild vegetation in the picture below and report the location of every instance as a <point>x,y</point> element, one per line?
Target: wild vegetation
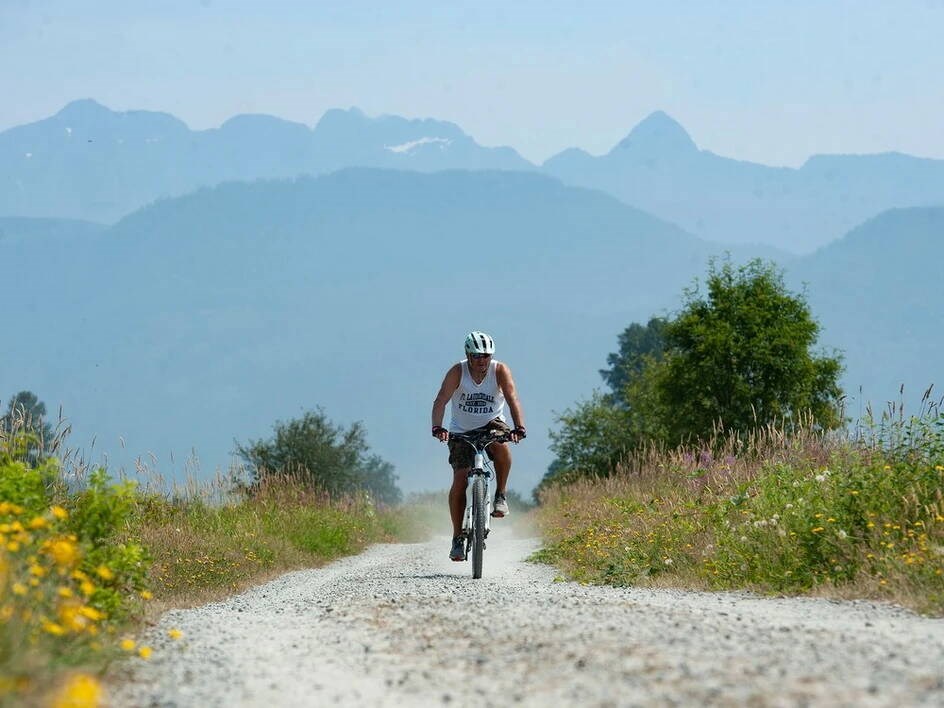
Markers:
<point>321,455</point>
<point>85,558</point>
<point>775,511</point>
<point>718,460</point>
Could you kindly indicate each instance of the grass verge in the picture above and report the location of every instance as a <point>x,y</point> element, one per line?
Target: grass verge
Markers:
<point>778,513</point>
<point>84,565</point>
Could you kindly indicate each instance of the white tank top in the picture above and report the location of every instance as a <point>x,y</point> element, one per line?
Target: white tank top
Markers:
<point>474,405</point>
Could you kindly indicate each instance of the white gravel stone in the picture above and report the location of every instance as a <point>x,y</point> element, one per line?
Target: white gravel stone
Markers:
<point>402,625</point>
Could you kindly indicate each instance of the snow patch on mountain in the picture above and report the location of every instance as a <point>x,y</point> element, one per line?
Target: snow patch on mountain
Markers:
<point>409,146</point>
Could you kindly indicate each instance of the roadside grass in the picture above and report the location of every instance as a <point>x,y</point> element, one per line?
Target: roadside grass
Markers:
<point>774,512</point>
<point>86,563</point>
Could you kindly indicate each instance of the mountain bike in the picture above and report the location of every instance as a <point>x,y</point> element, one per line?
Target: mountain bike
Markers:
<point>475,524</point>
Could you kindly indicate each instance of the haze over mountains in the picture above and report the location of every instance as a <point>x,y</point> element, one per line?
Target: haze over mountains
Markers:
<point>101,165</point>
<point>205,317</point>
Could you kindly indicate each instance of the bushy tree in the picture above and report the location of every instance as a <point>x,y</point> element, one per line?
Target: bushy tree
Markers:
<point>592,437</point>
<point>26,416</point>
<point>323,455</point>
<point>637,344</point>
<point>740,356</point>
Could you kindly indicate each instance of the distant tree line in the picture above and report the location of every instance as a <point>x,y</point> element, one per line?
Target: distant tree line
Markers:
<point>323,456</point>
<point>738,356</point>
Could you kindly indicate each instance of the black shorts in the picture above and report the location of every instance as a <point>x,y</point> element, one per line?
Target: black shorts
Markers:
<point>462,455</point>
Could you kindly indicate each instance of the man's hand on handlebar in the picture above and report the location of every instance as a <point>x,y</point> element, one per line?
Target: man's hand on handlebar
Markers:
<point>518,434</point>
<point>440,433</point>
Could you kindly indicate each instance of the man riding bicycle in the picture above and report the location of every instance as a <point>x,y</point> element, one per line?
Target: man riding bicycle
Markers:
<point>479,388</point>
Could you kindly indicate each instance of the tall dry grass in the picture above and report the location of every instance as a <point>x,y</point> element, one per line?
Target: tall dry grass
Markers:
<point>782,511</point>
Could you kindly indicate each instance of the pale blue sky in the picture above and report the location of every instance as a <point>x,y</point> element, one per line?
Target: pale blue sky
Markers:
<point>772,82</point>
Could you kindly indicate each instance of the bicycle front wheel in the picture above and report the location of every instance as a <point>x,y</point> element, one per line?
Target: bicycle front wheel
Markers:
<point>478,525</point>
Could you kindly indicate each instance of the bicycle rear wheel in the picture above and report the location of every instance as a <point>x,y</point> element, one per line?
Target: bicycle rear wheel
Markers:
<point>478,525</point>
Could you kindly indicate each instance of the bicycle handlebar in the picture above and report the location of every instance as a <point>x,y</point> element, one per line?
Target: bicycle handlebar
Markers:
<point>481,440</point>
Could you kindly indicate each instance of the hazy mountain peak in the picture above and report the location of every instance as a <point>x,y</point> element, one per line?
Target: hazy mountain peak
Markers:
<point>84,108</point>
<point>658,133</point>
<point>336,117</point>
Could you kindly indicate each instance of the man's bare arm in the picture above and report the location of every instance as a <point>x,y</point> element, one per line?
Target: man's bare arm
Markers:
<point>449,385</point>
<point>507,385</point>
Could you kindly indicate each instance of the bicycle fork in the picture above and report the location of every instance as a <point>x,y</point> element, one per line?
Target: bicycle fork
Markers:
<point>479,468</point>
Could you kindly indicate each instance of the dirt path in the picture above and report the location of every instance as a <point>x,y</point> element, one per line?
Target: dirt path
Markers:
<point>402,625</point>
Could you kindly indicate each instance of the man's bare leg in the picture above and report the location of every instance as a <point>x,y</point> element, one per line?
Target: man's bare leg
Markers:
<point>460,479</point>
<point>501,456</point>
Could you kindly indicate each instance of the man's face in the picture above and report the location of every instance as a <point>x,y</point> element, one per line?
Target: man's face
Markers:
<point>478,363</point>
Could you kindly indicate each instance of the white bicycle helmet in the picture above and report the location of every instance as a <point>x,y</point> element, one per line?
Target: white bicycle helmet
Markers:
<point>479,343</point>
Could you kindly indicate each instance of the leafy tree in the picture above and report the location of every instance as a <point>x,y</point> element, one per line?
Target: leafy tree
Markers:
<point>26,416</point>
<point>636,343</point>
<point>378,478</point>
<point>740,356</point>
<point>323,455</point>
<point>592,438</point>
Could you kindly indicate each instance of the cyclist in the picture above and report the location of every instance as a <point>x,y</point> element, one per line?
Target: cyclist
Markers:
<point>479,388</point>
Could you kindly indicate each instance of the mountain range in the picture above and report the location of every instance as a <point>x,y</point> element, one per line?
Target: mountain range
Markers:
<point>88,162</point>
<point>201,319</point>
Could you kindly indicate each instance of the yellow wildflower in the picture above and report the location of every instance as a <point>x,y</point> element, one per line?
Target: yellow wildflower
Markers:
<point>64,592</point>
<point>59,512</point>
<point>37,570</point>
<point>63,551</point>
<point>146,595</point>
<point>127,644</point>
<point>817,529</point>
<point>87,588</point>
<point>13,546</point>
<point>144,652</point>
<point>91,613</point>
<point>175,633</point>
<point>38,522</point>
<point>70,616</point>
<point>19,589</point>
<point>81,691</point>
<point>104,572</point>
<point>53,628</point>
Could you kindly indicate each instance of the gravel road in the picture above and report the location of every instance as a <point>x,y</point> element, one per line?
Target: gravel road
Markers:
<point>402,625</point>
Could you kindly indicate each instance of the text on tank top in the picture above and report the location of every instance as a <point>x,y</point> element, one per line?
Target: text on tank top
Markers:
<point>474,405</point>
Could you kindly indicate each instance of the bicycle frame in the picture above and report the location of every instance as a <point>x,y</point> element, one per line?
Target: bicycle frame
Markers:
<point>476,525</point>
<point>484,469</point>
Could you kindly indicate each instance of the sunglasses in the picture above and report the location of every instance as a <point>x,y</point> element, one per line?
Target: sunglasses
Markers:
<point>480,356</point>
